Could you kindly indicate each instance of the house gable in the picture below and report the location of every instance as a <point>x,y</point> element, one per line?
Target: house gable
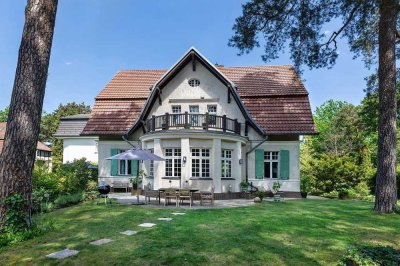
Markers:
<point>193,65</point>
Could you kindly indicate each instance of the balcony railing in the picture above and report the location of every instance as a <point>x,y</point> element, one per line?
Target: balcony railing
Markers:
<point>193,121</point>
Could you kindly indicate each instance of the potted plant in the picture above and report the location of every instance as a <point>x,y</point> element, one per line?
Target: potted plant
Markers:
<point>136,180</point>
<point>244,186</point>
<point>275,190</point>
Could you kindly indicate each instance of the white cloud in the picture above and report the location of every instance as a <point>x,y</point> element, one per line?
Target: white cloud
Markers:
<point>68,63</point>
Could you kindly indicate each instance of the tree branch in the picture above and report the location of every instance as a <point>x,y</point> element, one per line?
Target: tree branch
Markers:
<point>335,34</point>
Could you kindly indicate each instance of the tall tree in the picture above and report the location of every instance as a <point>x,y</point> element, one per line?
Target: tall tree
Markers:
<point>370,27</point>
<point>23,124</point>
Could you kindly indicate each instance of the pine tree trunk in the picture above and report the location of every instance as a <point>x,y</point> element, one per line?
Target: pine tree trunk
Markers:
<point>386,191</point>
<point>23,125</point>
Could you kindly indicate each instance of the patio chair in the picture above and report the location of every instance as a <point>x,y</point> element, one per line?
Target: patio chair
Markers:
<point>184,194</point>
<point>207,196</point>
<point>149,193</point>
<point>169,194</point>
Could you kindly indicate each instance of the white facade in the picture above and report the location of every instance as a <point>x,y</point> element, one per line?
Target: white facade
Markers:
<point>80,147</point>
<point>211,91</point>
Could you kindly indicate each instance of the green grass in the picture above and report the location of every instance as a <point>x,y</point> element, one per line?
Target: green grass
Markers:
<point>301,232</point>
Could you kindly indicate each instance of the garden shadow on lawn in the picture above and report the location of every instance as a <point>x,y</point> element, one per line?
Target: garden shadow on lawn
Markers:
<point>302,232</point>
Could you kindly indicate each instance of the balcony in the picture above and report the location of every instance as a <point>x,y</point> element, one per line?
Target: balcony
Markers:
<point>205,121</point>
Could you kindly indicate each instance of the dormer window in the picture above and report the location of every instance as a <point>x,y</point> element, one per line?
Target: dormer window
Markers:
<point>194,82</point>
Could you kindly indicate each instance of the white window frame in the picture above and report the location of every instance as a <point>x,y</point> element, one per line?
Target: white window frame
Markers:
<point>226,163</point>
<point>176,162</point>
<point>176,109</point>
<point>203,156</point>
<point>194,82</point>
<point>151,166</point>
<point>212,106</point>
<point>128,164</point>
<point>194,118</point>
<point>271,157</point>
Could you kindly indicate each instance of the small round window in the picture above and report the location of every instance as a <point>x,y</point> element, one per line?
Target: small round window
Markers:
<point>194,82</point>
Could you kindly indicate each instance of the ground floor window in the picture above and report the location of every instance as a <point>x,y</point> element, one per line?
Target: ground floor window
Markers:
<point>173,162</point>
<point>200,162</point>
<point>226,163</point>
<point>124,166</point>
<point>271,163</point>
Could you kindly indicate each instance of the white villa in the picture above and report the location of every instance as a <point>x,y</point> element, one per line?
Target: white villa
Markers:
<point>214,125</point>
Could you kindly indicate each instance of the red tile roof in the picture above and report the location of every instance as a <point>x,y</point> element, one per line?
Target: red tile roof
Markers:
<point>40,146</point>
<point>274,96</point>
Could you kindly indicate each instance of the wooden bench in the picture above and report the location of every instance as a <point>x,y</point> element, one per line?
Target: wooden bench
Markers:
<point>120,184</point>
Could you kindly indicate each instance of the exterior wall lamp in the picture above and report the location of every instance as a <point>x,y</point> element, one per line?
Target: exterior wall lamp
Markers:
<point>184,159</point>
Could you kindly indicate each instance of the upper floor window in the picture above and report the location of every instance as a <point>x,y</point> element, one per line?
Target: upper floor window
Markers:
<point>212,109</point>
<point>176,109</point>
<point>194,111</point>
<point>194,82</point>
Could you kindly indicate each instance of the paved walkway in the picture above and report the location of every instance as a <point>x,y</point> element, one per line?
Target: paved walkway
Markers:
<point>127,198</point>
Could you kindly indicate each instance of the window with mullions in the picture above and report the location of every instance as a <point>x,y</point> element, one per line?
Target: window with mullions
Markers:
<point>194,117</point>
<point>271,164</point>
<point>124,166</point>
<point>226,163</point>
<point>173,162</point>
<point>200,162</point>
<point>212,111</point>
<point>176,110</point>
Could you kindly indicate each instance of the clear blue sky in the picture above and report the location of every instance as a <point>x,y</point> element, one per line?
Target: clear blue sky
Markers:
<point>96,38</point>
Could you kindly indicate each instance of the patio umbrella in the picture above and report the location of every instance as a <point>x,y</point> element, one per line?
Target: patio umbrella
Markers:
<point>136,154</point>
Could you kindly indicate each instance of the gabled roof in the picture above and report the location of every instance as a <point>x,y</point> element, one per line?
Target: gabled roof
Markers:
<point>273,97</point>
<point>72,126</point>
<point>3,125</point>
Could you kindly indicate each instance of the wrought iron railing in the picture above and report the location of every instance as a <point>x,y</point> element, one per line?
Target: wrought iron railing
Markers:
<point>193,121</point>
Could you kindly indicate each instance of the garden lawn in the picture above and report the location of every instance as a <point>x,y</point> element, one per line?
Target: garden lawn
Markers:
<point>298,232</point>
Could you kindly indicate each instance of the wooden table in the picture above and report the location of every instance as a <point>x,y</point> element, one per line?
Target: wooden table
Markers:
<point>192,190</point>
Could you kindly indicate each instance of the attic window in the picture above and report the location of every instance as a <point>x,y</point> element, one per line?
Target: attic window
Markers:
<point>194,82</point>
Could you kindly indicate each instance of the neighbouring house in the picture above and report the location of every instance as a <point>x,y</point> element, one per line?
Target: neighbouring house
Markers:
<point>76,146</point>
<point>43,152</point>
<point>214,125</point>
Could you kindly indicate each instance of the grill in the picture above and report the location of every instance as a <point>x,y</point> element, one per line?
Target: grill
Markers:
<point>103,189</point>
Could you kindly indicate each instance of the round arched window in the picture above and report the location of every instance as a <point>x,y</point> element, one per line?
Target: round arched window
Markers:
<point>194,82</point>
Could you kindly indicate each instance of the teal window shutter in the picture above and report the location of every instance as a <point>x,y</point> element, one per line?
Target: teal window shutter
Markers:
<point>114,163</point>
<point>284,164</point>
<point>135,165</point>
<point>259,163</point>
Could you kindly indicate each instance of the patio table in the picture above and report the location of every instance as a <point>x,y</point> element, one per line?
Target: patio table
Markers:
<point>192,190</point>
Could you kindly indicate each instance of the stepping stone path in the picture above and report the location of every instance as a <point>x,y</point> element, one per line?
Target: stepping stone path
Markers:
<point>101,241</point>
<point>165,219</point>
<point>129,232</point>
<point>65,253</point>
<point>178,213</point>
<point>147,225</point>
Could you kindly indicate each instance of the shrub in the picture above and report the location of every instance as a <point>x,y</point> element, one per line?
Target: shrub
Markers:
<point>9,237</point>
<point>371,255</point>
<point>69,200</point>
<point>45,180</point>
<point>91,195</point>
<point>91,185</point>
<point>15,219</point>
<point>260,194</point>
<point>74,177</point>
<point>41,200</point>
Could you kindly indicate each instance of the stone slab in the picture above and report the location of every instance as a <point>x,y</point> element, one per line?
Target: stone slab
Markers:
<point>62,254</point>
<point>178,213</point>
<point>165,219</point>
<point>101,241</point>
<point>147,225</point>
<point>129,232</point>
